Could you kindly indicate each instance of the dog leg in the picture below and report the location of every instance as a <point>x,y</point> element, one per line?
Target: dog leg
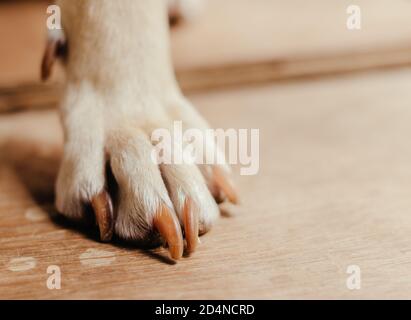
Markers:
<point>120,82</point>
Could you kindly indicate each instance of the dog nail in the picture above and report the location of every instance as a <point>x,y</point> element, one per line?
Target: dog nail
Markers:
<point>166,223</point>
<point>190,220</point>
<point>103,210</point>
<point>225,185</point>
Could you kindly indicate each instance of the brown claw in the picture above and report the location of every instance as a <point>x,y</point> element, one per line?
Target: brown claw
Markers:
<point>49,58</point>
<point>190,220</point>
<point>217,194</point>
<point>225,185</point>
<point>166,223</point>
<point>55,48</point>
<point>103,210</point>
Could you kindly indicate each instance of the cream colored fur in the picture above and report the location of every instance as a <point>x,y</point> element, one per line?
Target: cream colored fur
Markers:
<point>121,86</point>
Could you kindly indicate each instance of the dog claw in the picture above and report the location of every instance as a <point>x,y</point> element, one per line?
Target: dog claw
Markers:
<point>190,220</point>
<point>56,48</point>
<point>48,59</point>
<point>166,223</point>
<point>219,196</point>
<point>103,211</point>
<point>224,184</point>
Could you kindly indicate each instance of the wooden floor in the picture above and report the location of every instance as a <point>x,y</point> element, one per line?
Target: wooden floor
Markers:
<point>334,190</point>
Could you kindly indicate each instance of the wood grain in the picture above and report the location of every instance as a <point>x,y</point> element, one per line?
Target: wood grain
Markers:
<point>333,190</point>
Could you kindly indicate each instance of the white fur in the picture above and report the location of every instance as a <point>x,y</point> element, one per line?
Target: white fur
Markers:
<point>120,86</point>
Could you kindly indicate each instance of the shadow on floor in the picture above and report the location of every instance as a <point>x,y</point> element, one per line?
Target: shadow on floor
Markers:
<point>37,171</point>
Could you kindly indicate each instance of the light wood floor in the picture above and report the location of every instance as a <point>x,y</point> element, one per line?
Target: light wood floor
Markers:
<point>333,190</point>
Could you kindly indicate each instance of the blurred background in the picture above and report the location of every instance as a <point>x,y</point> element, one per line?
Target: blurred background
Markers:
<point>333,109</point>
<point>232,42</point>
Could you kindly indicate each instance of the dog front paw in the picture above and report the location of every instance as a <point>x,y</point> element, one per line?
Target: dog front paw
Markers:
<point>120,89</point>
<point>108,165</point>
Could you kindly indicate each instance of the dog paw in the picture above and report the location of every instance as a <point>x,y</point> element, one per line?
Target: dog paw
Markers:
<point>109,166</point>
<point>120,90</point>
